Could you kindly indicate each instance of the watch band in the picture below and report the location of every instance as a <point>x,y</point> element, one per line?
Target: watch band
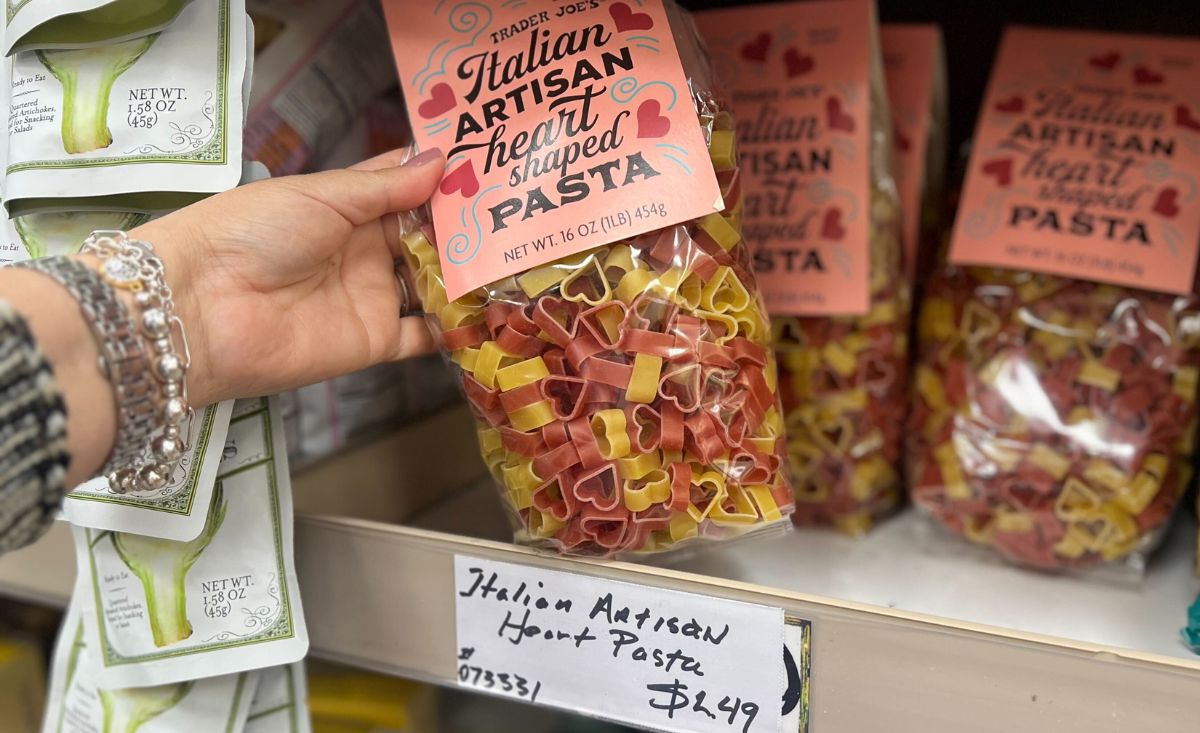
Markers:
<point>123,358</point>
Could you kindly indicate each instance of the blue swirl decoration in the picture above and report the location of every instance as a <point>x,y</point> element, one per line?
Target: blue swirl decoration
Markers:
<point>461,248</point>
<point>627,89</point>
<point>464,18</point>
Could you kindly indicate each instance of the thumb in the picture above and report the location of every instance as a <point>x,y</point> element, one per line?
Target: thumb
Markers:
<point>362,196</point>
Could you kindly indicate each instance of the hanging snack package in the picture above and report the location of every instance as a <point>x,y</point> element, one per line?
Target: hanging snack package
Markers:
<point>146,124</point>
<point>84,23</point>
<point>822,215</point>
<point>586,273</point>
<point>915,67</point>
<point>1054,411</point>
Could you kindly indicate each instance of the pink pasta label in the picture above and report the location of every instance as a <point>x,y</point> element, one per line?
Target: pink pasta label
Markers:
<point>1087,160</point>
<point>566,125</point>
<point>799,74</point>
<point>910,58</point>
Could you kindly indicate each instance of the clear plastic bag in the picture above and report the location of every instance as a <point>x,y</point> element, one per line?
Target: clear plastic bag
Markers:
<point>626,396</point>
<point>1053,419</point>
<point>843,378</point>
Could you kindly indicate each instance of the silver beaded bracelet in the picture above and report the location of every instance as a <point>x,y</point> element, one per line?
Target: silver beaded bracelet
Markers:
<point>131,265</point>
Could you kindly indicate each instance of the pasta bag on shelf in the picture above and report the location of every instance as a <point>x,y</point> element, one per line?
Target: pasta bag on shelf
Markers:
<point>1054,408</point>
<point>915,66</point>
<point>583,268</point>
<point>822,215</point>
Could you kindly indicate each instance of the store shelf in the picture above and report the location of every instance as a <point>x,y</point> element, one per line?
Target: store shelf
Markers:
<point>905,637</point>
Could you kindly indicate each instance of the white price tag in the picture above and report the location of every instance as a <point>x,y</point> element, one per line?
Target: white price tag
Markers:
<point>654,658</point>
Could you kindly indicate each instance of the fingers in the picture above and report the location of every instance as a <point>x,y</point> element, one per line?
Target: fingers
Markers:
<point>415,338</point>
<point>362,195</point>
<point>390,159</point>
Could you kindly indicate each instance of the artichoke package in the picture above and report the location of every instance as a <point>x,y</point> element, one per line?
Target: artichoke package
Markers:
<point>585,270</point>
<point>77,704</point>
<point>822,215</point>
<point>280,702</point>
<point>915,67</point>
<point>84,23</point>
<point>1055,397</point>
<point>160,611</point>
<point>147,123</point>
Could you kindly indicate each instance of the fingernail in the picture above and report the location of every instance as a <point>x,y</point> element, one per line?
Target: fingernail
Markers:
<point>426,157</point>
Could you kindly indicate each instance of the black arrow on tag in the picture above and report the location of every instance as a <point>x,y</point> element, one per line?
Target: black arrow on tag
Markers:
<point>791,694</point>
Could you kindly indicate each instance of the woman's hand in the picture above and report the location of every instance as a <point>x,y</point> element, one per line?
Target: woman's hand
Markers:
<point>290,281</point>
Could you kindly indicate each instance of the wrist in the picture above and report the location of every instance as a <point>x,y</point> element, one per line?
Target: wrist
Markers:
<point>176,250</point>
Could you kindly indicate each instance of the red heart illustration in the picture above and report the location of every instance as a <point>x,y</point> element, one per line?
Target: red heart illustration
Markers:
<point>627,20</point>
<point>1183,118</point>
<point>1000,169</point>
<point>461,179</point>
<point>797,63</point>
<point>1012,104</point>
<point>831,225</point>
<point>756,50</point>
<point>1165,204</point>
<point>441,100</point>
<point>651,123</point>
<point>1108,61</point>
<point>1146,75</point>
<point>838,120</point>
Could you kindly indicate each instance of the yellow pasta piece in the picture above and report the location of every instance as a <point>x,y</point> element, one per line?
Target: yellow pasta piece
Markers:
<point>620,258</point>
<point>520,475</point>
<point>839,359</point>
<point>724,292</point>
<point>1077,501</point>
<point>742,511</point>
<point>682,526</point>
<point>936,320</point>
<point>1039,288</point>
<point>1050,461</point>
<point>1184,383</point>
<point>467,358</point>
<point>1074,543</point>
<point>1008,520</point>
<point>1095,374</point>
<point>543,525</point>
<point>420,248</point>
<point>532,417</point>
<point>456,314</point>
<point>640,465</point>
<point>633,284</point>
<point>612,440</point>
<point>1080,414</point>
<point>1102,473</point>
<point>491,359</point>
<point>713,479</point>
<point>722,149</point>
<point>521,373</point>
<point>520,497</point>
<point>721,231</point>
<point>881,313</point>
<point>930,388</point>
<point>765,501</point>
<point>643,381</point>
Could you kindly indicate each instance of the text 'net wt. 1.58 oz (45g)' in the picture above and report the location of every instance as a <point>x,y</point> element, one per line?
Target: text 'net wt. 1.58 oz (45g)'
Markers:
<point>822,216</point>
<point>584,269</point>
<point>1054,411</point>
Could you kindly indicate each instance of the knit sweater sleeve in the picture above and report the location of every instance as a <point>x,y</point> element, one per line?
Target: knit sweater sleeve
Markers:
<point>33,445</point>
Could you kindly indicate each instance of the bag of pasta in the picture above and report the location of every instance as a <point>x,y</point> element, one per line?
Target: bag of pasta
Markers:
<point>822,214</point>
<point>915,67</point>
<point>1053,416</point>
<point>585,271</point>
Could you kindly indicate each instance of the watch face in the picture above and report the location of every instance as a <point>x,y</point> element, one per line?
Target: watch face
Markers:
<point>122,273</point>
